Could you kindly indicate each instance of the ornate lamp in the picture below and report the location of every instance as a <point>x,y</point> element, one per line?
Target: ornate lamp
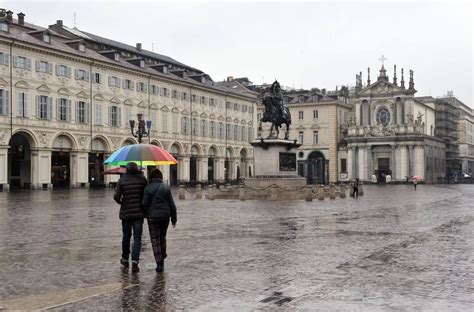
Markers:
<point>143,128</point>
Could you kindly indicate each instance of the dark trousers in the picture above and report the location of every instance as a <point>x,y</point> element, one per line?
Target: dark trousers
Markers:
<point>129,227</point>
<point>356,191</point>
<point>158,231</point>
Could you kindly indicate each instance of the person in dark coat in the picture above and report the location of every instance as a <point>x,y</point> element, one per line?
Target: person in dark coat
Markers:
<point>129,195</point>
<point>356,188</point>
<point>160,208</point>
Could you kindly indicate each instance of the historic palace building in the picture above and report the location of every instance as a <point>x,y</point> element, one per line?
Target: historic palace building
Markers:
<point>392,133</point>
<point>66,98</point>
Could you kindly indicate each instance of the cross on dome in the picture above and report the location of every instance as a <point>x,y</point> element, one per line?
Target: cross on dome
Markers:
<point>383,58</point>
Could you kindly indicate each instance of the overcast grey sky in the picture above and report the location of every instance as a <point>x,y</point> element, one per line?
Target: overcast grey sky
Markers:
<point>305,44</point>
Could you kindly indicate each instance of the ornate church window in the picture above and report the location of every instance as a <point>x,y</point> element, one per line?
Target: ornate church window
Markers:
<point>383,116</point>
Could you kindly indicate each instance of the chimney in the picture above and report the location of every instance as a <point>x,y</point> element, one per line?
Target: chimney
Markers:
<point>59,23</point>
<point>21,19</point>
<point>9,16</point>
<point>230,78</point>
<point>139,46</point>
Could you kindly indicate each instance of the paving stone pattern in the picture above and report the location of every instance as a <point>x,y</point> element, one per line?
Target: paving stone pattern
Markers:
<point>392,249</point>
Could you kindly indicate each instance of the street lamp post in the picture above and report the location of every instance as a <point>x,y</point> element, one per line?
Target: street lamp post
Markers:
<point>141,132</point>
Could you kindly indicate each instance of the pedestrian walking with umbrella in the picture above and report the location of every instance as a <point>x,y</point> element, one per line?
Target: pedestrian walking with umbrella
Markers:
<point>160,208</point>
<point>130,155</point>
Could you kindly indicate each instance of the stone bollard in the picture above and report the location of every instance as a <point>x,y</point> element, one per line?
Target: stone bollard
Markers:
<point>361,189</point>
<point>273,192</point>
<point>332,191</point>
<point>198,191</point>
<point>242,192</point>
<point>210,192</point>
<point>228,186</point>
<point>181,192</point>
<point>321,192</point>
<point>309,193</point>
<point>342,193</point>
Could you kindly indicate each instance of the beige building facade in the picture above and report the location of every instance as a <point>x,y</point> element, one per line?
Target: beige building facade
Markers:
<point>466,139</point>
<point>66,98</point>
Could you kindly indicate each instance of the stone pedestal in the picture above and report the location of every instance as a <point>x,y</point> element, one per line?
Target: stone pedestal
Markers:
<point>275,164</point>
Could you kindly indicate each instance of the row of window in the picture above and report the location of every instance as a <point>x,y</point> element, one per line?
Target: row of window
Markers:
<point>81,110</point>
<point>315,137</point>
<point>114,81</point>
<point>300,115</point>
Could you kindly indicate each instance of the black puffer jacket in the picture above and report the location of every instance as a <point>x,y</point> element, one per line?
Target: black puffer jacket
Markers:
<point>129,194</point>
<point>158,202</point>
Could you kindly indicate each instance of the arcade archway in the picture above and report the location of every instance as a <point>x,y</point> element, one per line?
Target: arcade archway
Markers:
<point>19,160</point>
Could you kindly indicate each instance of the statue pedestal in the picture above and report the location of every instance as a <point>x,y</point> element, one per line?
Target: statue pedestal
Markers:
<point>275,164</point>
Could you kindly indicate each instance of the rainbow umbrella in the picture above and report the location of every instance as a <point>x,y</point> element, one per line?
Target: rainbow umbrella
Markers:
<point>142,154</point>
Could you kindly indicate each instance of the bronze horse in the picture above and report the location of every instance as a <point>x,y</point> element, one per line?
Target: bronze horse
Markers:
<point>276,112</point>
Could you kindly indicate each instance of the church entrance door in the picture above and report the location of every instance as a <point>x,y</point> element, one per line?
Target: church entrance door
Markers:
<point>384,169</point>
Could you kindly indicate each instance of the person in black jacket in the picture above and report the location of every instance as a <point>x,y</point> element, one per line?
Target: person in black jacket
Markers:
<point>129,195</point>
<point>160,208</point>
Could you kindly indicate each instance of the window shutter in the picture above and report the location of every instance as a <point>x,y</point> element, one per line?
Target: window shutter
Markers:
<point>15,61</point>
<point>50,68</point>
<point>87,75</point>
<point>37,65</point>
<point>88,112</point>
<point>50,107</point>
<point>138,86</point>
<point>68,71</point>
<point>28,63</point>
<point>110,80</point>
<point>25,105</point>
<point>57,70</point>
<point>20,105</point>
<point>58,108</point>
<point>119,117</point>
<point>132,86</point>
<point>2,58</point>
<point>124,85</point>
<point>100,78</point>
<point>38,108</point>
<point>76,73</point>
<point>145,88</point>
<point>77,111</point>
<point>68,110</point>
<point>110,115</point>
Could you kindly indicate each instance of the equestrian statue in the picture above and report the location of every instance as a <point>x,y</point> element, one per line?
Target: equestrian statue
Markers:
<point>276,111</point>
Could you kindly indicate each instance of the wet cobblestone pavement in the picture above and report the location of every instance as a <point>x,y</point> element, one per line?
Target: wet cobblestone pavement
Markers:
<point>393,249</point>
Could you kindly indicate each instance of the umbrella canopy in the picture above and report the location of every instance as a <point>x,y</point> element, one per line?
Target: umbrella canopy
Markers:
<point>142,154</point>
<point>416,177</point>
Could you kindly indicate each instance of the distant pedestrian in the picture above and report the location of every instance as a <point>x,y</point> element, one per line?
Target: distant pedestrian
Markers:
<point>160,208</point>
<point>356,188</point>
<point>415,182</point>
<point>128,195</point>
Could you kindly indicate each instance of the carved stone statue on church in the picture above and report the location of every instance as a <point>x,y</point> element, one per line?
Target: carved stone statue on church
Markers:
<point>419,118</point>
<point>410,119</point>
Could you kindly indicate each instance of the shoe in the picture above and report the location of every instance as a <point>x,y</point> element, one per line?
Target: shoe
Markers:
<point>124,263</point>
<point>135,268</point>
<point>160,266</point>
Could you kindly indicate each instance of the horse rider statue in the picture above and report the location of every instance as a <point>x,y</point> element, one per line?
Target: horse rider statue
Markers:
<point>276,111</point>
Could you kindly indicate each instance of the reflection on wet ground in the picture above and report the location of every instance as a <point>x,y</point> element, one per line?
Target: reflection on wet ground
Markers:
<point>393,249</point>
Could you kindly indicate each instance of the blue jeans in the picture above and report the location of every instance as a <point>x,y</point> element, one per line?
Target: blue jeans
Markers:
<point>129,226</point>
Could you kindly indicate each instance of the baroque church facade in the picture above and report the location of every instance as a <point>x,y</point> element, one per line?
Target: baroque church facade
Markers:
<point>390,132</point>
